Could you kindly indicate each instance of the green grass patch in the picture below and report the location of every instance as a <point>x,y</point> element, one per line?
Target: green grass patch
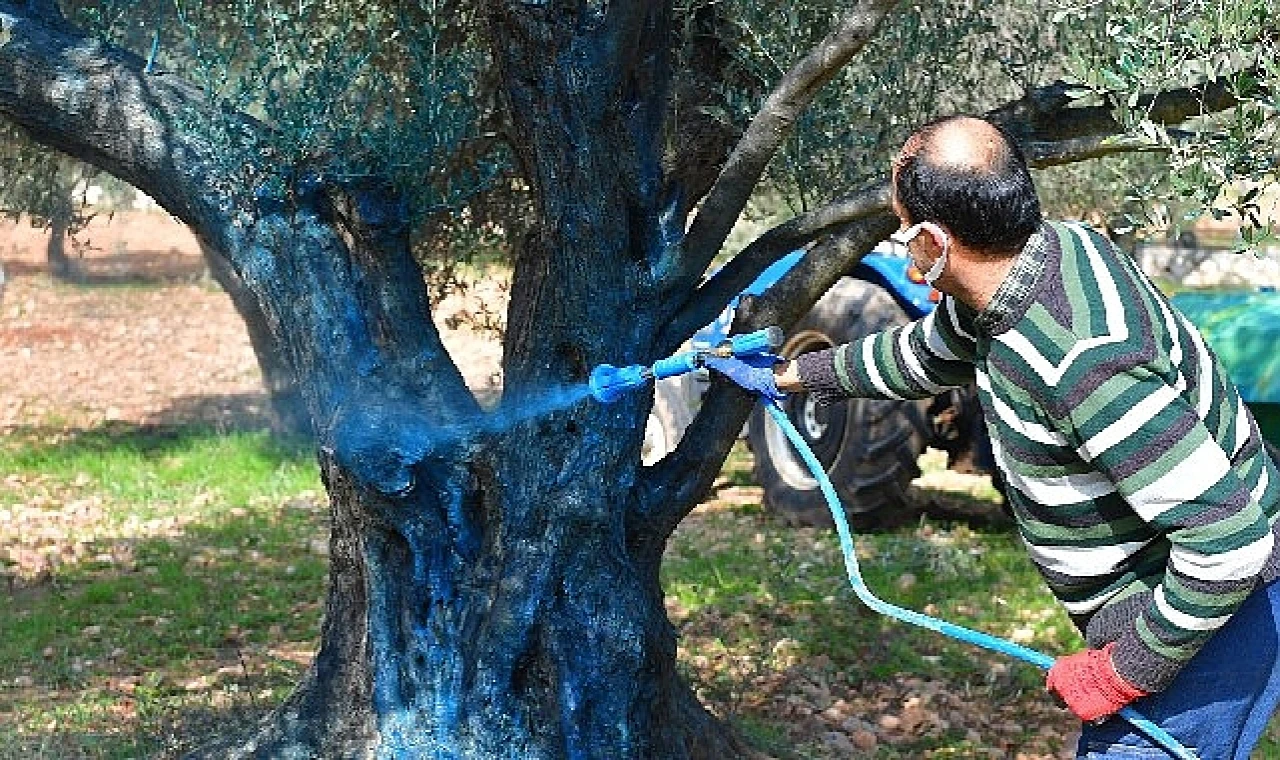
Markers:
<point>777,642</point>
<point>167,579</point>
<point>168,586</point>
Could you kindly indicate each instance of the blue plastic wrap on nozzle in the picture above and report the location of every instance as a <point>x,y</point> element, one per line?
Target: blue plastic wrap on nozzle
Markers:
<point>608,382</point>
<point>758,342</point>
<point>676,365</point>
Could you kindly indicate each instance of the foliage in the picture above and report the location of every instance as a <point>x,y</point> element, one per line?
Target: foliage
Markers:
<point>1219,164</point>
<point>354,91</point>
<point>368,90</point>
<point>928,60</point>
<point>965,56</point>
<point>37,182</point>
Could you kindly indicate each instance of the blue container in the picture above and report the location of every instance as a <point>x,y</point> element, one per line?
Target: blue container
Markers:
<point>1243,329</point>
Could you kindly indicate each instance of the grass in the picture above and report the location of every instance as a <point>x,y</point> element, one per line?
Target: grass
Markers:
<point>169,585</point>
<point>169,574</point>
<point>766,614</point>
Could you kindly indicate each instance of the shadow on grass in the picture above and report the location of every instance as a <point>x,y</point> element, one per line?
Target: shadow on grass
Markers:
<point>224,412</point>
<point>952,507</point>
<point>775,641</point>
<point>188,419</point>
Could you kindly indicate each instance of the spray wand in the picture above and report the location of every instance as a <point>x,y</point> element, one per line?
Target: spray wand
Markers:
<point>608,383</point>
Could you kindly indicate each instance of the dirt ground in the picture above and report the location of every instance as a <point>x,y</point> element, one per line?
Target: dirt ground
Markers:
<point>118,351</point>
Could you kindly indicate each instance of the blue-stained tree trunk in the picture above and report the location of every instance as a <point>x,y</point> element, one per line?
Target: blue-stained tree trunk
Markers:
<point>494,586</point>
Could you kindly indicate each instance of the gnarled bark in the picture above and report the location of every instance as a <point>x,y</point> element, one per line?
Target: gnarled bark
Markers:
<point>489,595</point>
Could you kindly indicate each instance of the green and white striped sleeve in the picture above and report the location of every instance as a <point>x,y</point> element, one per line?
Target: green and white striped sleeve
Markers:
<point>912,361</point>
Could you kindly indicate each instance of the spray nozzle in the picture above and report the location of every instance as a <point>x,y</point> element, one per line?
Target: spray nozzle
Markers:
<point>608,382</point>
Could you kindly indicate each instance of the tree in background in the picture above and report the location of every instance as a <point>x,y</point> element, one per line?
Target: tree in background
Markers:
<point>46,187</point>
<point>494,587</point>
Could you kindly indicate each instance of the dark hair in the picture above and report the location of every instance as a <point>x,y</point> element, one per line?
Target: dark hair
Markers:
<point>992,206</point>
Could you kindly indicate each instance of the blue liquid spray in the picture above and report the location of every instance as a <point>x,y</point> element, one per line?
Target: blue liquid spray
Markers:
<point>551,400</point>
<point>382,443</point>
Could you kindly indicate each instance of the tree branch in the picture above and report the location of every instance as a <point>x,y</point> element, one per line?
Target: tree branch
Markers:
<point>703,133</point>
<point>673,486</point>
<point>92,101</point>
<point>795,233</point>
<point>728,196</point>
<point>1043,154</point>
<point>1046,114</point>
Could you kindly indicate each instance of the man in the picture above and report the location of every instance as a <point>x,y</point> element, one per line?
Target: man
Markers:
<point>1139,481</point>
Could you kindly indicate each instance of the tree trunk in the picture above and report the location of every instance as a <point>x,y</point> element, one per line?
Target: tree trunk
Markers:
<point>487,598</point>
<point>288,408</point>
<point>494,586</point>
<point>58,262</point>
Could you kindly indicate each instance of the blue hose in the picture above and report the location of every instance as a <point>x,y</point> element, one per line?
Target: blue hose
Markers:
<point>984,640</point>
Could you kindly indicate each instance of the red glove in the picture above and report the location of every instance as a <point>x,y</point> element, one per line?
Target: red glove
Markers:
<point>1088,682</point>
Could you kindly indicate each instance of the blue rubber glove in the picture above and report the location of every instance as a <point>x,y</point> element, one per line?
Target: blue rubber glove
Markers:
<point>755,374</point>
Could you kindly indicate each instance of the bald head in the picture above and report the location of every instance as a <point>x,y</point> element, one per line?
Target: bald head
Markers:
<point>969,176</point>
<point>965,143</point>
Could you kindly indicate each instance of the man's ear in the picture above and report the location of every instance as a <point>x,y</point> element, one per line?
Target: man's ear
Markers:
<point>938,237</point>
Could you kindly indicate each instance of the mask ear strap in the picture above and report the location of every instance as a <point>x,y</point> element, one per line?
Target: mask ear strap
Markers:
<point>940,265</point>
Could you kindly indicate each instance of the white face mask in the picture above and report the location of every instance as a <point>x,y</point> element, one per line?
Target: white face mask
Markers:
<point>903,237</point>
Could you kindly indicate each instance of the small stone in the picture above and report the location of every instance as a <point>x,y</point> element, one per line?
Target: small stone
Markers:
<point>838,741</point>
<point>889,722</point>
<point>864,740</point>
<point>906,582</point>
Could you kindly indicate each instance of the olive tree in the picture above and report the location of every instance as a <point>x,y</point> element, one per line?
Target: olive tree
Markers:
<point>494,584</point>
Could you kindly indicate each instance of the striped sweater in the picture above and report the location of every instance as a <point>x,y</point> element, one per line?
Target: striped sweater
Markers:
<point>1137,476</point>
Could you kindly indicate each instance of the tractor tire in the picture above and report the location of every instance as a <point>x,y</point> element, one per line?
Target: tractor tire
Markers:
<point>869,447</point>
<point>675,400</point>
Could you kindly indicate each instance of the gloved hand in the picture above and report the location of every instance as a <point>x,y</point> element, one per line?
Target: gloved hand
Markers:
<point>1088,682</point>
<point>755,374</point>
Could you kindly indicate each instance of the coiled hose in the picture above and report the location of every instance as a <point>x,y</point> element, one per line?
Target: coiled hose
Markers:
<point>978,638</point>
